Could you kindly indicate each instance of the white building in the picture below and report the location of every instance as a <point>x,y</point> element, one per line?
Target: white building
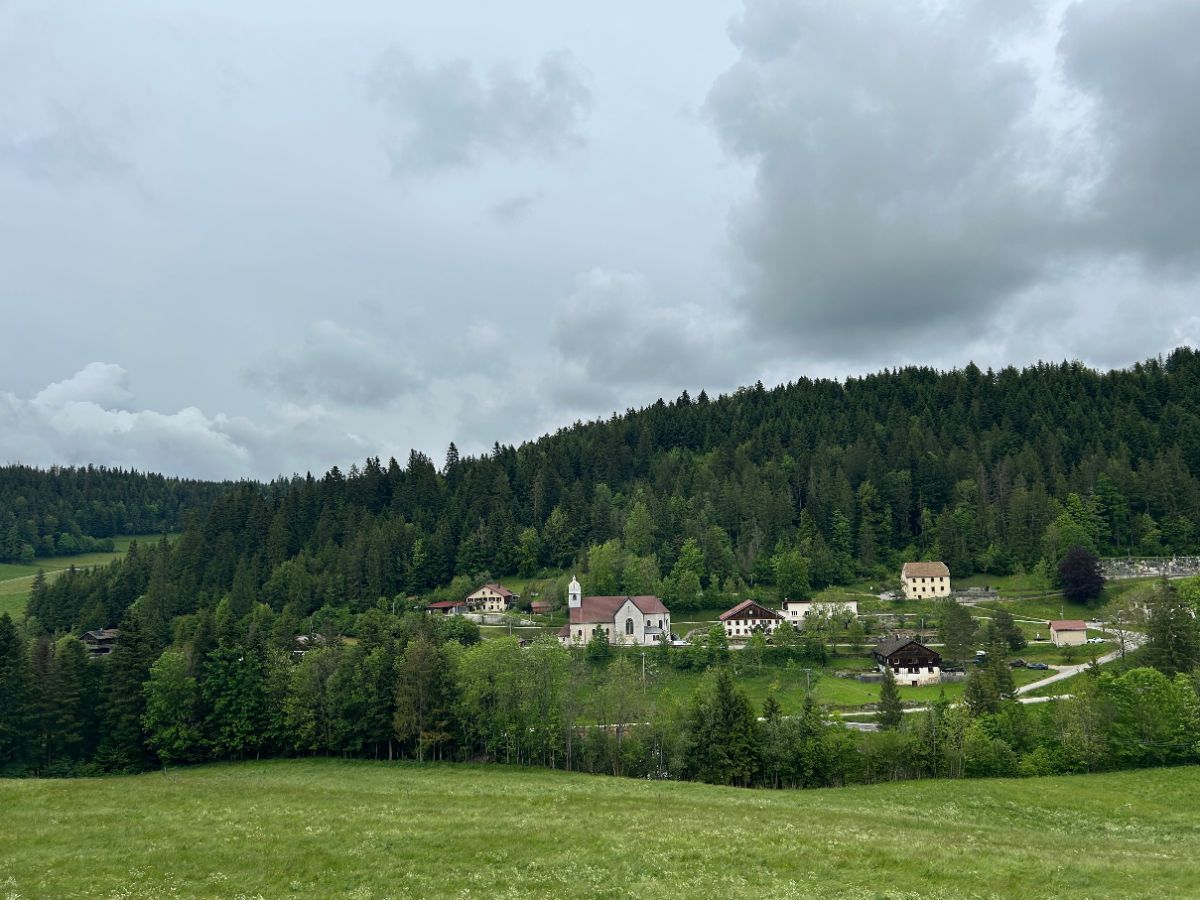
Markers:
<point>491,598</point>
<point>796,611</point>
<point>625,619</point>
<point>748,617</point>
<point>923,580</point>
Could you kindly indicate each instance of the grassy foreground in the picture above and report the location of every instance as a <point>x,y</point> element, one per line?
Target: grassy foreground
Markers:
<point>329,828</point>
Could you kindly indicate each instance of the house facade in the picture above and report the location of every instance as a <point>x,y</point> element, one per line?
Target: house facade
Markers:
<point>491,598</point>
<point>1068,632</point>
<point>911,662</point>
<point>923,580</point>
<point>796,611</point>
<point>639,620</point>
<point>748,617</point>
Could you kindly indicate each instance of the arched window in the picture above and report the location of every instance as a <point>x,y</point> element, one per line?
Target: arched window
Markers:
<point>629,626</point>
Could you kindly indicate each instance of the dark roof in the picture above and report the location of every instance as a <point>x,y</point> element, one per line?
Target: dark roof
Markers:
<point>889,646</point>
<point>749,609</point>
<point>102,634</point>
<point>1068,625</point>
<point>602,609</point>
<point>925,570</point>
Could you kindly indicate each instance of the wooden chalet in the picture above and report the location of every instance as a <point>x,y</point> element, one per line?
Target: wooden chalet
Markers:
<point>101,642</point>
<point>748,617</point>
<point>911,662</point>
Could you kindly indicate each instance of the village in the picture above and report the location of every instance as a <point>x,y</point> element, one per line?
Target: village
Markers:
<point>910,653</point>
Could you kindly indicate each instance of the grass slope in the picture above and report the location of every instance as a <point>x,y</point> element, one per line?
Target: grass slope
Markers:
<point>328,828</point>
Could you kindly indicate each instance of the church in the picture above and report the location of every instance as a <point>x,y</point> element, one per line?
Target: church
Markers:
<point>625,619</point>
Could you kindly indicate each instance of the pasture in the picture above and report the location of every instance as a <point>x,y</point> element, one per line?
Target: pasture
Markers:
<point>329,828</point>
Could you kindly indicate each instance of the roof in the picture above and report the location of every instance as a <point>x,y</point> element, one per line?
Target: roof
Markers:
<point>602,609</point>
<point>498,588</point>
<point>445,604</point>
<point>1068,625</point>
<point>748,609</point>
<point>888,646</point>
<point>924,570</point>
<point>102,634</point>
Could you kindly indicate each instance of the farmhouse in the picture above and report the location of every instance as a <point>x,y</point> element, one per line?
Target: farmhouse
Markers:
<point>1068,632</point>
<point>447,608</point>
<point>796,611</point>
<point>925,579</point>
<point>748,617</point>
<point>491,598</point>
<point>625,620</point>
<point>911,662</point>
<point>101,641</point>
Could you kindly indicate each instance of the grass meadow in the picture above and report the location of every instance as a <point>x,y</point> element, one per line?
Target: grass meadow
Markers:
<point>17,579</point>
<point>330,828</point>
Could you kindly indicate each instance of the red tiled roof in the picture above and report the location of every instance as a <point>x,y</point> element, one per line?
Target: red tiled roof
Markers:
<point>1068,625</point>
<point>445,604</point>
<point>602,609</point>
<point>748,609</point>
<point>924,570</point>
<point>500,589</point>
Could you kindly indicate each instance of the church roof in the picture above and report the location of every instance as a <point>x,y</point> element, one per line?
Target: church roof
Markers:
<point>602,609</point>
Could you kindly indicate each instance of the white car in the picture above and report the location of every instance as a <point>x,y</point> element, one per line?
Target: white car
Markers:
<point>1095,640</point>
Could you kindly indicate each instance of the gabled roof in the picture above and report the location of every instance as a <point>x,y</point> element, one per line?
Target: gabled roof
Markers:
<point>602,609</point>
<point>102,634</point>
<point>889,646</point>
<point>1068,625</point>
<point>924,570</point>
<point>445,604</point>
<point>497,588</point>
<point>748,609</point>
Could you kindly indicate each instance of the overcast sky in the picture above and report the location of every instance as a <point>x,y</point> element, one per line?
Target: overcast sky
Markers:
<point>243,239</point>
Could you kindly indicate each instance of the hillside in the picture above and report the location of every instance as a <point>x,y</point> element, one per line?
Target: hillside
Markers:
<point>804,485</point>
<point>324,828</point>
<point>67,511</point>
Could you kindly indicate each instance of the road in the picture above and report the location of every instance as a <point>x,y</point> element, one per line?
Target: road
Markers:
<point>1133,640</point>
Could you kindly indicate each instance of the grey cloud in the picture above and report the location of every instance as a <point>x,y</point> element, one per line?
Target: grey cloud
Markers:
<point>1139,64</point>
<point>336,364</point>
<point>68,152</point>
<point>612,334</point>
<point>448,117</point>
<point>512,208</point>
<point>891,148</point>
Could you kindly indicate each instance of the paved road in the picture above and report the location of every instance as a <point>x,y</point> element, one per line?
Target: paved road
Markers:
<point>1133,640</point>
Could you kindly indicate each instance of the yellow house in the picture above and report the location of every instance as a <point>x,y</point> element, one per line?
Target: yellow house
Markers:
<point>923,580</point>
<point>491,598</point>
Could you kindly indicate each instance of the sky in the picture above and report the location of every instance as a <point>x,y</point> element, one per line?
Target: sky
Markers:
<point>244,240</point>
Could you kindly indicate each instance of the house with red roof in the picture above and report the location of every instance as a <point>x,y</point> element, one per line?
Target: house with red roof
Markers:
<point>447,608</point>
<point>1068,632</point>
<point>491,598</point>
<point>748,617</point>
<point>627,619</point>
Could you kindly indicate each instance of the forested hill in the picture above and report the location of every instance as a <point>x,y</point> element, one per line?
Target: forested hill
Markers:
<point>63,511</point>
<point>816,481</point>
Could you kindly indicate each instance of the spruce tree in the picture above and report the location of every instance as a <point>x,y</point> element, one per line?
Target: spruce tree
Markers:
<point>16,705</point>
<point>891,711</point>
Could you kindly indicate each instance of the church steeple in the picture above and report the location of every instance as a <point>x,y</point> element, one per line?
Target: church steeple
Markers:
<point>574,594</point>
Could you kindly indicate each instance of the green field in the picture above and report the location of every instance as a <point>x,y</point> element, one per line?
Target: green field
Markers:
<point>16,580</point>
<point>328,828</point>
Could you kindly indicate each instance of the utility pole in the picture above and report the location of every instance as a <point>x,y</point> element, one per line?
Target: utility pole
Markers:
<point>643,671</point>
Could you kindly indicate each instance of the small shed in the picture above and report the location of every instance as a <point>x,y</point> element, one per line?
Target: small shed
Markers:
<point>1068,632</point>
<point>540,607</point>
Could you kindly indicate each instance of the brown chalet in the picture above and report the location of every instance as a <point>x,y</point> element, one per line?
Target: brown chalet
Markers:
<point>101,641</point>
<point>911,662</point>
<point>748,617</point>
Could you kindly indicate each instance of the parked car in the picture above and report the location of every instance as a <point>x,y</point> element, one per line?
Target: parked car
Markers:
<point>1038,666</point>
<point>1017,663</point>
<point>1095,640</point>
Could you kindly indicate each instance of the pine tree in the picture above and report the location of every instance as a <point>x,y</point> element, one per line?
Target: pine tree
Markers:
<point>891,711</point>
<point>16,707</point>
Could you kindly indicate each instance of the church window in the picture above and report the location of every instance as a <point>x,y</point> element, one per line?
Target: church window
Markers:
<point>629,626</point>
